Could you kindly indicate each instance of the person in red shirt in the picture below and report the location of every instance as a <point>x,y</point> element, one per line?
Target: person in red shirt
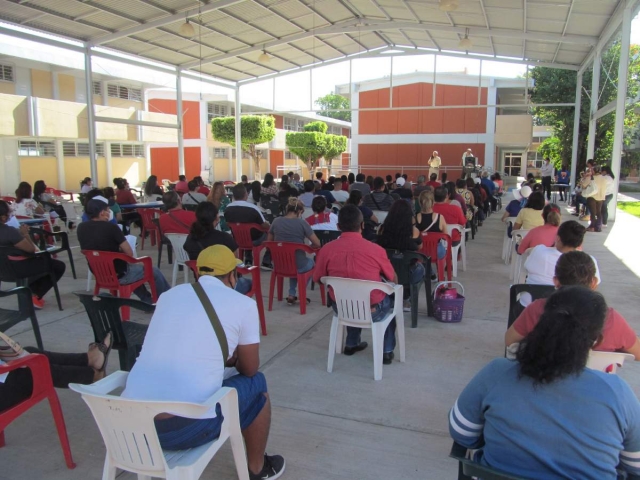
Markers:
<point>545,234</point>
<point>182,186</point>
<point>433,181</point>
<point>578,268</point>
<point>176,220</point>
<point>452,213</point>
<point>351,256</point>
<point>202,188</point>
<point>123,194</point>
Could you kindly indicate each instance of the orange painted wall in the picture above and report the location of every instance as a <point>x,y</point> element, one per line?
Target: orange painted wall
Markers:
<point>190,111</point>
<point>164,162</point>
<point>276,159</point>
<point>279,121</point>
<point>458,120</point>
<point>346,132</point>
<point>390,155</point>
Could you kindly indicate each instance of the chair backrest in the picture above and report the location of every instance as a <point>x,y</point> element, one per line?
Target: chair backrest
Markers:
<point>536,292</point>
<point>9,199</point>
<point>380,215</point>
<point>326,236</point>
<point>104,315</point>
<point>7,273</point>
<point>458,228</point>
<point>242,233</point>
<point>402,262</point>
<point>103,268</point>
<point>283,256</point>
<point>353,298</point>
<point>9,318</point>
<point>177,242</point>
<point>128,429</point>
<point>607,362</point>
<point>430,242</point>
<point>147,215</point>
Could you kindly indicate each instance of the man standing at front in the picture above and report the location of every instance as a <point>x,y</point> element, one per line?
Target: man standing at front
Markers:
<point>546,172</point>
<point>198,371</point>
<point>351,256</point>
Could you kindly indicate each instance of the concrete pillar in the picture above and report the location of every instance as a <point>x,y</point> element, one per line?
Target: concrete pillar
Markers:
<point>109,162</point>
<point>489,146</point>
<point>180,123</point>
<point>621,101</point>
<point>595,93</point>
<point>62,184</point>
<point>576,128</point>
<point>93,161</point>
<point>238,135</point>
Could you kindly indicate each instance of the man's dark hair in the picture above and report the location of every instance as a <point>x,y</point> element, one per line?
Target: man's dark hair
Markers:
<point>350,218</point>
<point>182,178</point>
<point>405,176</point>
<point>352,178</point>
<point>244,179</point>
<point>378,183</point>
<point>571,233</point>
<point>535,201</point>
<point>575,268</point>
<point>360,177</point>
<point>344,178</point>
<point>389,178</point>
<point>309,186</point>
<point>170,199</point>
<point>318,175</point>
<point>461,183</point>
<point>443,177</point>
<point>433,177</point>
<point>4,208</point>
<point>440,194</point>
<point>239,191</point>
<point>290,174</point>
<point>319,204</point>
<point>192,185</point>
<point>398,175</point>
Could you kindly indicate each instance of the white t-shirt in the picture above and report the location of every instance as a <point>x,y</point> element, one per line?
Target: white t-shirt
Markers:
<point>181,359</point>
<point>340,195</point>
<point>541,265</point>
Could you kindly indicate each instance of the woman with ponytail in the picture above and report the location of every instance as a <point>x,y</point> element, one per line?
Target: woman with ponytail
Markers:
<point>293,228</point>
<point>545,415</point>
<point>545,234</point>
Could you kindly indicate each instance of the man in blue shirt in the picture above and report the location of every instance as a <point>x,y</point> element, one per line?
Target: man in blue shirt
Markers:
<point>490,188</point>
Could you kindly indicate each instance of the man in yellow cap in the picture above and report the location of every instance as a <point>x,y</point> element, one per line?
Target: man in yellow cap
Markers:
<point>182,361</point>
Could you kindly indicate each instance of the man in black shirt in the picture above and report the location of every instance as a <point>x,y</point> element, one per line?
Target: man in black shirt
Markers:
<point>378,200</point>
<point>241,211</point>
<point>17,242</point>
<point>100,234</point>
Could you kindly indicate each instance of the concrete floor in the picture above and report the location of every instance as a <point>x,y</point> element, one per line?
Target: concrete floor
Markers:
<point>342,425</point>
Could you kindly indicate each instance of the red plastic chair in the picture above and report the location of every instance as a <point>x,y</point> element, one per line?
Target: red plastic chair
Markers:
<point>147,215</point>
<point>256,288</point>
<point>103,269</point>
<point>283,256</point>
<point>42,388</point>
<point>242,235</point>
<point>430,242</point>
<point>8,199</point>
<point>59,193</point>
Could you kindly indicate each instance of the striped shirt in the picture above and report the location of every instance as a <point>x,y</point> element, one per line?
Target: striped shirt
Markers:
<point>577,427</point>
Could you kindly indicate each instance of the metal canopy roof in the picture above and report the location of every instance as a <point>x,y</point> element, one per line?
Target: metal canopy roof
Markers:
<point>231,34</point>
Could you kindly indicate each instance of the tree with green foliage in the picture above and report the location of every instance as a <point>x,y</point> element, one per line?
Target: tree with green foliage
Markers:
<point>332,101</point>
<point>254,130</point>
<point>558,86</point>
<point>314,143</point>
<point>551,148</point>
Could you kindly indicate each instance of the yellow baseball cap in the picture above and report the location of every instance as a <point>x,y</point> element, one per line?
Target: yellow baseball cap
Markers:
<point>217,260</point>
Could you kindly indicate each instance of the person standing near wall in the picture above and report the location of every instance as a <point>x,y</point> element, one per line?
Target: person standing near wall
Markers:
<point>434,164</point>
<point>547,171</point>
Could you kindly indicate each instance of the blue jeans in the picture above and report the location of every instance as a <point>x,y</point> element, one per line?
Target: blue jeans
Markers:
<point>179,433</point>
<point>416,276</point>
<point>293,282</point>
<point>243,285</point>
<point>135,272</point>
<point>380,311</point>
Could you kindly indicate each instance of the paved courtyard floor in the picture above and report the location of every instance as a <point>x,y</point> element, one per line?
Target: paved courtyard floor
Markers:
<point>342,425</point>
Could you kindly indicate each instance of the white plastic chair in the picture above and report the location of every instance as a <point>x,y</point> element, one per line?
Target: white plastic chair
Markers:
<point>129,432</point>
<point>380,215</point>
<point>462,246</point>
<point>353,299</point>
<point>506,242</point>
<point>520,275</point>
<point>180,256</point>
<point>607,362</point>
<point>515,259</point>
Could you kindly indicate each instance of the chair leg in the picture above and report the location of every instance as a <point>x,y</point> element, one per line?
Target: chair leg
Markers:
<point>73,267</point>
<point>174,276</point>
<point>143,233</point>
<point>414,304</point>
<point>427,287</point>
<point>400,335</point>
<point>36,332</point>
<point>2,442</point>
<point>302,293</point>
<point>56,410</point>
<point>333,338</point>
<point>159,253</point>
<point>56,291</point>
<point>109,470</point>
<point>272,285</point>
<point>89,278</point>
<point>280,288</point>
<point>263,323</point>
<point>238,449</point>
<point>463,249</point>
<point>186,272</point>
<point>341,337</point>
<point>323,295</point>
<point>377,334</point>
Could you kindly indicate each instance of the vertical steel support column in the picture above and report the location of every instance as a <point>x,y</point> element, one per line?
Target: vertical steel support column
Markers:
<point>621,102</point>
<point>181,170</point>
<point>88,75</point>
<point>238,136</point>
<point>595,94</point>
<point>576,128</point>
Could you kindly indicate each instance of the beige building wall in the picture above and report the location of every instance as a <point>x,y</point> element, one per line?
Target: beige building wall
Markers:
<point>513,129</point>
<point>66,88</point>
<point>115,131</point>
<point>58,119</point>
<point>14,115</point>
<point>221,169</point>
<point>133,169</point>
<point>41,84</point>
<point>121,103</point>
<point>158,134</point>
<point>39,168</point>
<point>8,88</point>
<point>76,168</point>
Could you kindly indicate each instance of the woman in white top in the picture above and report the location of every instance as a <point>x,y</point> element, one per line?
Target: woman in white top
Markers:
<point>86,185</point>
<point>607,174</point>
<point>25,206</point>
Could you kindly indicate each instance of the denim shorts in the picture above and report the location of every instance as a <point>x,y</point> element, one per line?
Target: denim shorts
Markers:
<point>179,433</point>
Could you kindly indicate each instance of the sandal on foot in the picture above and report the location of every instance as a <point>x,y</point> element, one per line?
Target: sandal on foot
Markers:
<point>291,300</point>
